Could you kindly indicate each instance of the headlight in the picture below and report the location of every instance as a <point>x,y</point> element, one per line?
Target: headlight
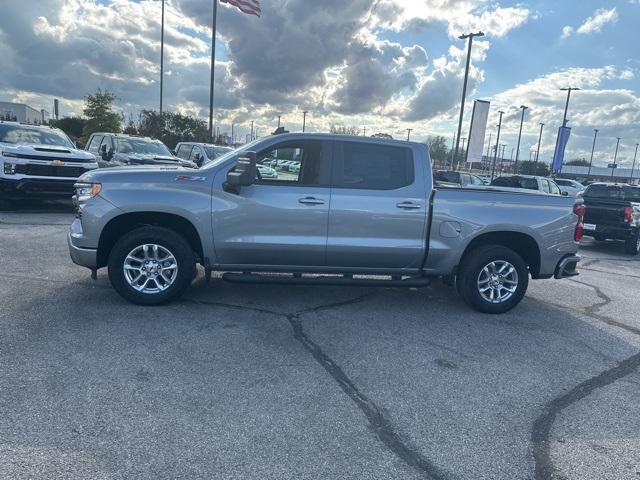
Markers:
<point>86,191</point>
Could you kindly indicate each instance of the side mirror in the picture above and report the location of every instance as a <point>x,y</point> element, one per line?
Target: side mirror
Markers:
<point>565,194</point>
<point>243,174</point>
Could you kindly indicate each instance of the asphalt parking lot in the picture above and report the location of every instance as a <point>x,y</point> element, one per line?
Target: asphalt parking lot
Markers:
<point>273,382</point>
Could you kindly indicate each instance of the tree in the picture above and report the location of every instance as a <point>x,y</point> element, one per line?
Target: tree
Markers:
<point>172,128</point>
<point>131,128</point>
<point>438,150</point>
<point>72,126</point>
<point>527,167</point>
<point>580,162</point>
<point>344,130</point>
<point>99,113</point>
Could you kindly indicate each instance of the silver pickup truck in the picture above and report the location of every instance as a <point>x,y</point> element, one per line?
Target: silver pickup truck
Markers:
<point>342,210</point>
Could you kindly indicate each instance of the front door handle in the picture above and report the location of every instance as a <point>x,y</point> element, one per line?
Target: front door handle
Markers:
<point>311,201</point>
<point>408,205</point>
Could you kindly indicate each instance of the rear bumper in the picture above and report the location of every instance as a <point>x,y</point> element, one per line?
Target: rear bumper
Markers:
<point>25,188</point>
<point>567,267</point>
<point>622,232</point>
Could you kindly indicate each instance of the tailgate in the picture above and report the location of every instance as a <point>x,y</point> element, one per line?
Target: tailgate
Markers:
<point>602,212</point>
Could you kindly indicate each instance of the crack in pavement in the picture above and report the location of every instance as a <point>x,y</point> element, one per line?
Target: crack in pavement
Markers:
<point>544,468</point>
<point>541,431</point>
<point>379,423</point>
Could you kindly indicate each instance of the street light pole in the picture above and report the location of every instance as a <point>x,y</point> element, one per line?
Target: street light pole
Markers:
<point>593,149</point>
<point>409,130</point>
<point>635,156</point>
<point>539,142</point>
<point>615,157</point>
<point>495,158</point>
<point>213,64</point>
<point>524,109</point>
<point>470,36</point>
<point>161,57</point>
<point>252,130</point>
<point>304,120</point>
<point>279,116</point>
<point>464,142</point>
<point>566,107</point>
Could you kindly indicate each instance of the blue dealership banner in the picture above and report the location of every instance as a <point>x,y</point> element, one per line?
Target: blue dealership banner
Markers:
<point>561,144</point>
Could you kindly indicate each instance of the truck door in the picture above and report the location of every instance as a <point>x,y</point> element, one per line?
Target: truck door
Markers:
<point>278,221</point>
<point>379,205</point>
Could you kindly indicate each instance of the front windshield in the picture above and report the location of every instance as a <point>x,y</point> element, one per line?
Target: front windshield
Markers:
<point>215,152</point>
<point>141,145</point>
<point>223,158</point>
<point>19,134</point>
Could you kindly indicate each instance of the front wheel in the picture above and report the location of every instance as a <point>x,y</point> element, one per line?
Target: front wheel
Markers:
<point>151,266</point>
<point>493,279</point>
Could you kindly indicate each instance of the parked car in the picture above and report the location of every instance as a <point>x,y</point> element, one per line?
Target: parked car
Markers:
<point>612,211</point>
<point>200,153</point>
<point>118,149</point>
<point>463,179</point>
<point>39,162</point>
<point>571,187</point>
<point>358,205</point>
<point>267,172</point>
<point>528,182</point>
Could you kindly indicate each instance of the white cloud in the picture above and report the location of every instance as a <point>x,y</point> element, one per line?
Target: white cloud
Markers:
<point>594,24</point>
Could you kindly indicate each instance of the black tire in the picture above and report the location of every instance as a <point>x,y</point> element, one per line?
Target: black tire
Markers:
<point>472,266</point>
<point>168,239</point>
<point>632,245</point>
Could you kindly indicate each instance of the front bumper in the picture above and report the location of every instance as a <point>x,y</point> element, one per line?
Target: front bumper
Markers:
<point>85,257</point>
<point>36,188</point>
<point>567,267</point>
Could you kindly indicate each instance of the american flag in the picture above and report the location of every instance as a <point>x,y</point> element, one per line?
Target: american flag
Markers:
<point>251,7</point>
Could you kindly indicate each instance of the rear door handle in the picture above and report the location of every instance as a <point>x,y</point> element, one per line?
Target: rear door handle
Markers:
<point>311,201</point>
<point>408,205</point>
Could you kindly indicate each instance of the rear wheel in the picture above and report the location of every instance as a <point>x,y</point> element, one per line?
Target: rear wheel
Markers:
<point>632,245</point>
<point>493,279</point>
<point>151,266</point>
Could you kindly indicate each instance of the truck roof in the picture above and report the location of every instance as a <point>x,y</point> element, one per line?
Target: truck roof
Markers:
<point>350,138</point>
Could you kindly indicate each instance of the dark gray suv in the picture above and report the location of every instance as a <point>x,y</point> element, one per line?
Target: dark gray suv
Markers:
<point>117,149</point>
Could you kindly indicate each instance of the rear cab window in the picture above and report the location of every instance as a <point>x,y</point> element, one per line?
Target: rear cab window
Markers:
<point>613,192</point>
<point>184,151</point>
<point>516,182</point>
<point>373,167</point>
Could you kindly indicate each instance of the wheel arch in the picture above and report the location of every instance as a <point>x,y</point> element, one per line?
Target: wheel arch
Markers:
<point>118,226</point>
<point>521,243</point>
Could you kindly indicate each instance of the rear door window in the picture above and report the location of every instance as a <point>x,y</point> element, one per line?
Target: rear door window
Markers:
<point>373,167</point>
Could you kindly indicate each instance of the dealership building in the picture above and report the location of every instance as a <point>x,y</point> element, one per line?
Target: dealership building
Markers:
<point>20,112</point>
<point>600,174</point>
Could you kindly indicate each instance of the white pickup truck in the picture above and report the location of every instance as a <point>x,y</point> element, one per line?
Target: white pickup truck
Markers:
<point>39,162</point>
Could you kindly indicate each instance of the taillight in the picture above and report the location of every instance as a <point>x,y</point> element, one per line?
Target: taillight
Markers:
<point>628,214</point>
<point>579,210</point>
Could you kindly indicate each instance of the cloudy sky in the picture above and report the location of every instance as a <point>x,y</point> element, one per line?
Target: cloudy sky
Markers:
<point>388,65</point>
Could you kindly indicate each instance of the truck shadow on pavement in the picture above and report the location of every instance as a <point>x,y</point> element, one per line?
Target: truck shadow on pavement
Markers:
<point>449,392</point>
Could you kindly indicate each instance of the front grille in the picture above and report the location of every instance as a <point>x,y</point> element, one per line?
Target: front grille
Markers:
<point>50,171</point>
<point>44,158</point>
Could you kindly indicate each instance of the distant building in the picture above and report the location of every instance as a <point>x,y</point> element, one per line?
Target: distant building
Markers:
<point>20,112</point>
<point>600,174</point>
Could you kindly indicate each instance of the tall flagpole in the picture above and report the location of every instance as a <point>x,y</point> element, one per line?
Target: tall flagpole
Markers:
<point>161,57</point>
<point>213,65</point>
